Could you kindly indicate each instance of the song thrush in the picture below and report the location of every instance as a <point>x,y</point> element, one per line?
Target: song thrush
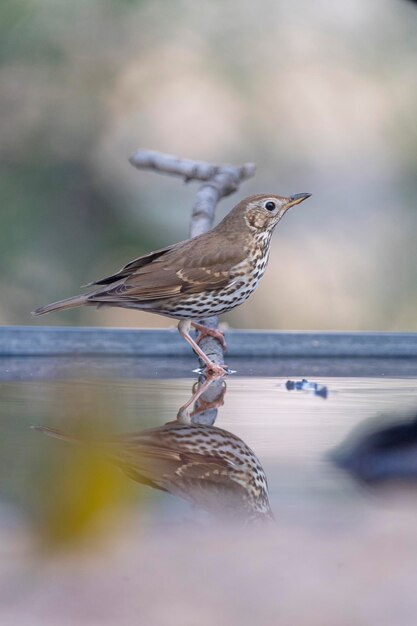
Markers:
<point>208,466</point>
<point>200,277</point>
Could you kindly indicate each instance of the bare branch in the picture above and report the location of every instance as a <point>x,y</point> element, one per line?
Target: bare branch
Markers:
<point>186,168</point>
<point>225,181</point>
<point>218,181</point>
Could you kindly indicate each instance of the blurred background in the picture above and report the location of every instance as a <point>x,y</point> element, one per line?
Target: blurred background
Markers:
<point>321,96</point>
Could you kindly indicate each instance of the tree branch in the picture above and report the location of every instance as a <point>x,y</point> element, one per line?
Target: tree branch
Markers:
<point>218,181</point>
<point>186,168</point>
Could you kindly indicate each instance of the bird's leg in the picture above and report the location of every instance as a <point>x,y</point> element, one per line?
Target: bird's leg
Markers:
<point>213,369</point>
<point>204,331</point>
<point>205,405</point>
<point>185,413</point>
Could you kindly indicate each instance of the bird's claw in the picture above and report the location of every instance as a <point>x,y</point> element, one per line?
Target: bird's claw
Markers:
<point>204,405</point>
<point>203,332</point>
<point>215,371</point>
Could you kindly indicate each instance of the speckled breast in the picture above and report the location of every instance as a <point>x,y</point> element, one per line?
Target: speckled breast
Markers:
<point>244,279</point>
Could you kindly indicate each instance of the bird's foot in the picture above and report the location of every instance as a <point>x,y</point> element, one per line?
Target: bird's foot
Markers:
<point>204,405</point>
<point>204,331</point>
<point>212,370</point>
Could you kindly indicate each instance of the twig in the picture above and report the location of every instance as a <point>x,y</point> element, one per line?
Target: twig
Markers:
<point>186,168</point>
<point>218,181</point>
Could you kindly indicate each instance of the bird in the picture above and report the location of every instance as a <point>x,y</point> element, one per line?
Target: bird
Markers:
<point>210,467</point>
<point>206,275</point>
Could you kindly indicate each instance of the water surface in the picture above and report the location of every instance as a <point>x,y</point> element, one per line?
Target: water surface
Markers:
<point>83,541</point>
<point>291,432</point>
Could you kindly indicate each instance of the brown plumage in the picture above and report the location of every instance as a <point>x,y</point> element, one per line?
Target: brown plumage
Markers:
<point>208,466</point>
<point>207,275</point>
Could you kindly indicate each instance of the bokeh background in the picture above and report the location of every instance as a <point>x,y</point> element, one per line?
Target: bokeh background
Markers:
<point>321,95</point>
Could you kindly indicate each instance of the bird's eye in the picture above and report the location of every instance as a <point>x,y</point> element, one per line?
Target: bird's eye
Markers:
<point>270,206</point>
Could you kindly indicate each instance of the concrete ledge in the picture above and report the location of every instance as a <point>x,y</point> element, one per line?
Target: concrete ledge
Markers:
<point>56,340</point>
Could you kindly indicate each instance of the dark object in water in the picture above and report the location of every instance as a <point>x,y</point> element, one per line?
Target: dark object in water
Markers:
<point>379,454</point>
<point>305,385</point>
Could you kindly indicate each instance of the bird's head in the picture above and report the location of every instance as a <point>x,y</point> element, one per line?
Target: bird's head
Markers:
<point>263,212</point>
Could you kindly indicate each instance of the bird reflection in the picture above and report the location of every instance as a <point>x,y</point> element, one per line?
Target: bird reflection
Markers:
<point>189,457</point>
<point>380,453</point>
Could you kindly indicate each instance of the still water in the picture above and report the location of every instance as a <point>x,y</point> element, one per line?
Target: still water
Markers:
<point>291,432</point>
<point>255,490</point>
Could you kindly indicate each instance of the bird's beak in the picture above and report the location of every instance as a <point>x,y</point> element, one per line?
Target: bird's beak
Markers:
<point>296,199</point>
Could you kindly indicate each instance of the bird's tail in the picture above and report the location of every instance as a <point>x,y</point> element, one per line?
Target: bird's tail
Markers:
<point>86,439</point>
<point>57,434</point>
<point>68,303</point>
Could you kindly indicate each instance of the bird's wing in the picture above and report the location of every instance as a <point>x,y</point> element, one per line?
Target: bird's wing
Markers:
<point>184,473</point>
<point>188,267</point>
<point>131,267</point>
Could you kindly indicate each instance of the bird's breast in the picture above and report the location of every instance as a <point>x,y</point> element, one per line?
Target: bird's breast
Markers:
<point>244,278</point>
